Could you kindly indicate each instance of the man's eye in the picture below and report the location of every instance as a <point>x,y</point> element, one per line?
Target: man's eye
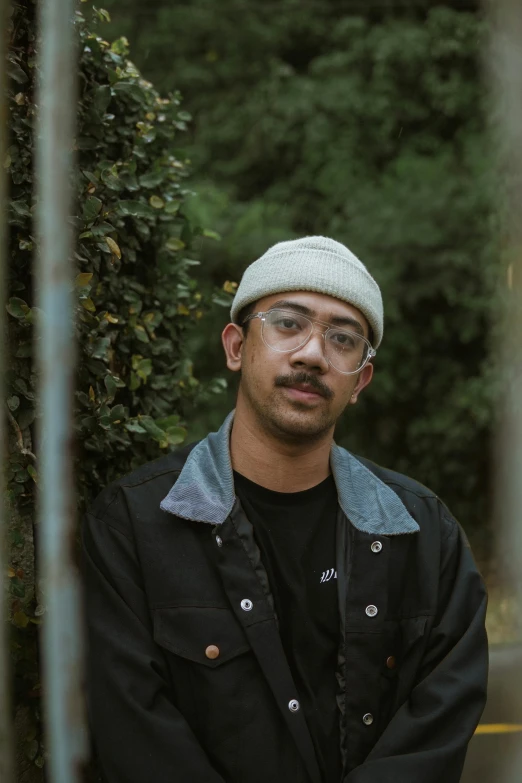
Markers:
<point>287,323</point>
<point>343,339</point>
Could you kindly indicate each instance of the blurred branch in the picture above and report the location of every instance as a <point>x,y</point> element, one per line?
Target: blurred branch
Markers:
<point>505,71</point>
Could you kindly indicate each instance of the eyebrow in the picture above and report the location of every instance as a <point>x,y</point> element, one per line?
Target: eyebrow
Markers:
<point>335,320</point>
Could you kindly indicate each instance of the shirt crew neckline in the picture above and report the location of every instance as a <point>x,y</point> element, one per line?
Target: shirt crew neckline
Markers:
<point>283,498</point>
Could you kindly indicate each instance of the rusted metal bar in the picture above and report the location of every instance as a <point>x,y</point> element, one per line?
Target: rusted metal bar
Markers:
<point>66,738</point>
<point>6,747</point>
<point>505,70</point>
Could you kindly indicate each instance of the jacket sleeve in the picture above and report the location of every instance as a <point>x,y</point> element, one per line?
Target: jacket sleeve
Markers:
<point>138,733</point>
<point>427,738</point>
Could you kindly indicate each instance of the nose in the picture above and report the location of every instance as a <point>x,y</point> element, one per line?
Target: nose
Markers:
<point>311,354</point>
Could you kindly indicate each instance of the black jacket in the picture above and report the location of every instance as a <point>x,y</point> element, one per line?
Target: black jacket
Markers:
<point>161,586</point>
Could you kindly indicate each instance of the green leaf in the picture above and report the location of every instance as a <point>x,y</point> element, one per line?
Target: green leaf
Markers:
<point>120,46</point>
<point>101,229</point>
<point>110,385</point>
<point>176,435</point>
<point>133,426</point>
<point>101,348</point>
<point>174,244</point>
<point>172,207</point>
<point>168,421</point>
<point>20,208</point>
<point>135,382</point>
<point>17,307</point>
<point>134,208</point>
<point>83,279</point>
<point>17,74</point>
<point>156,202</point>
<point>102,98</point>
<point>141,334</point>
<point>111,178</point>
<point>102,14</point>
<point>152,428</point>
<point>117,413</point>
<point>88,304</point>
<point>129,89</point>
<point>91,209</point>
<point>152,179</point>
<point>212,234</point>
<point>91,177</point>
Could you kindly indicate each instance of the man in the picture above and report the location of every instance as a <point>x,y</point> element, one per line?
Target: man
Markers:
<point>265,606</point>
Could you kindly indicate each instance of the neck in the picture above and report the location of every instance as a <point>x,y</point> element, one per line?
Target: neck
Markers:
<point>273,464</point>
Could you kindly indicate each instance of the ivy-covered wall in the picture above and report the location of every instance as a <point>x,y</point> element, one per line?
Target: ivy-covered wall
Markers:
<point>136,303</point>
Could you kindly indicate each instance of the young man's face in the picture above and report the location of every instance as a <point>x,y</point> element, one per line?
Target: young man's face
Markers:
<point>296,394</point>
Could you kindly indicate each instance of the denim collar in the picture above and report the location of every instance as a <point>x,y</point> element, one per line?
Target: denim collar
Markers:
<point>204,491</point>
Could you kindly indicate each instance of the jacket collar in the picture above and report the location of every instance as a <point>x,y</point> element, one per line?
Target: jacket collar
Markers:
<point>204,490</point>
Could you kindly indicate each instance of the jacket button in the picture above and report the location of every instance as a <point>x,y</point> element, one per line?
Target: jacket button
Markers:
<point>376,547</point>
<point>219,541</point>
<point>368,719</point>
<point>212,652</point>
<point>293,705</point>
<point>391,662</point>
<point>246,604</point>
<point>371,610</point>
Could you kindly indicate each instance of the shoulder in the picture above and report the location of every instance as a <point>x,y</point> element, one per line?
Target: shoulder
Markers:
<point>421,502</point>
<point>148,483</point>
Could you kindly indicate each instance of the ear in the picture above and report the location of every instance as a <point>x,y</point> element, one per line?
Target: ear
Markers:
<point>232,339</point>
<point>363,380</point>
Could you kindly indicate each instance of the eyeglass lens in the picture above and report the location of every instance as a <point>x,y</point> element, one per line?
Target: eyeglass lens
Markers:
<point>284,332</point>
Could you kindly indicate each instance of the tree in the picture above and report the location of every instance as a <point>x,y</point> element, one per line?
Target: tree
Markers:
<point>365,122</point>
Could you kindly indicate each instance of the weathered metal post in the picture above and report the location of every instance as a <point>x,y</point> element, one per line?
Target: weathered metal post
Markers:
<point>62,645</point>
<point>6,748</point>
<point>505,69</point>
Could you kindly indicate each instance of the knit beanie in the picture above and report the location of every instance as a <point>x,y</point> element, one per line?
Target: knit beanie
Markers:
<point>313,264</point>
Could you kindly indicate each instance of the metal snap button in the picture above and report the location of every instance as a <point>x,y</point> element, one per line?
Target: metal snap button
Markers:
<point>212,652</point>
<point>368,719</point>
<point>371,610</point>
<point>376,547</point>
<point>293,705</point>
<point>219,541</point>
<point>391,662</point>
<point>246,604</point>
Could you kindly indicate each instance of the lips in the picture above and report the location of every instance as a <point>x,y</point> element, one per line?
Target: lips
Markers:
<point>304,394</point>
<point>304,386</point>
<point>307,388</point>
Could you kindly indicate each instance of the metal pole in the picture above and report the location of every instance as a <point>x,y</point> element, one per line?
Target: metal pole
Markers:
<point>66,738</point>
<point>505,70</point>
<point>6,747</point>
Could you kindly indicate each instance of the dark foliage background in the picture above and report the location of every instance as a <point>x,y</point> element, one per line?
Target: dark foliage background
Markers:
<point>365,122</point>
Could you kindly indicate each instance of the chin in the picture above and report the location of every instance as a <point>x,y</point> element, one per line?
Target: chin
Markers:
<point>298,424</point>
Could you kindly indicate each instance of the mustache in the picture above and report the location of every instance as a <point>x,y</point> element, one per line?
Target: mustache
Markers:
<point>304,377</point>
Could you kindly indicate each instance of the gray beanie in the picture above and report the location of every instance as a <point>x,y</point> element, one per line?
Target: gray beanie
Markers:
<point>313,264</point>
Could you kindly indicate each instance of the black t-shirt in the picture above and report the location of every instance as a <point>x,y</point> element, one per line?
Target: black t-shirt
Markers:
<point>296,536</point>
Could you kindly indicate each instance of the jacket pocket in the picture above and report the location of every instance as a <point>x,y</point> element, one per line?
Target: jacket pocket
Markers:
<point>204,635</point>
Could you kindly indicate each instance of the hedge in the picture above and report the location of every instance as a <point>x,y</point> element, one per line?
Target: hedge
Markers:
<point>136,303</point>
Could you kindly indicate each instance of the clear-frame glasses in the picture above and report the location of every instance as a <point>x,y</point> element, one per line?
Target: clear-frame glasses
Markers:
<point>285,331</point>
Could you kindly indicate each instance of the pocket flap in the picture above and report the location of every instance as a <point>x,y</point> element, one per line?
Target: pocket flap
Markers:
<point>205,635</point>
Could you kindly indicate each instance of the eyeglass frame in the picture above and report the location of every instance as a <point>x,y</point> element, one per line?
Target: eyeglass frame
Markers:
<point>372,353</point>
